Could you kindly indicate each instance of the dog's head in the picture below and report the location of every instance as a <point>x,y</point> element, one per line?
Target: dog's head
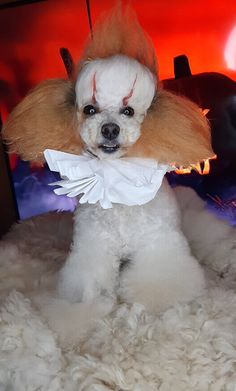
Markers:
<point>113,96</point>
<point>113,107</point>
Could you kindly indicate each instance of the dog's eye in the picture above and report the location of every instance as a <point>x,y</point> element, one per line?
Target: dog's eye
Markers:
<point>129,111</point>
<point>90,110</point>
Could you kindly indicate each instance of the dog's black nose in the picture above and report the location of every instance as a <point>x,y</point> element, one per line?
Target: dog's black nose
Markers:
<point>110,131</point>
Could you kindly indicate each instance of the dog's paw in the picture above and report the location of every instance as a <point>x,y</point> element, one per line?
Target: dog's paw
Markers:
<point>78,287</point>
<point>72,321</point>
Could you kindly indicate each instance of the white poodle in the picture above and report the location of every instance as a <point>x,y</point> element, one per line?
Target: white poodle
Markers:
<point>115,107</point>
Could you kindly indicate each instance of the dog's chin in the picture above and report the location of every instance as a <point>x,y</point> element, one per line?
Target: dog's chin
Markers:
<point>107,151</point>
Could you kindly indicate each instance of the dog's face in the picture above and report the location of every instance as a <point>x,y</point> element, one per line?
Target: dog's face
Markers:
<point>113,96</point>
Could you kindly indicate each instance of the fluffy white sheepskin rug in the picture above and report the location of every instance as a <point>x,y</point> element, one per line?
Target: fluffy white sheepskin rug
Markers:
<point>48,345</point>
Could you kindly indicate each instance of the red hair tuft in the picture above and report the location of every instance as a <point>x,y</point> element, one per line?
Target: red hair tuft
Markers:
<point>119,32</point>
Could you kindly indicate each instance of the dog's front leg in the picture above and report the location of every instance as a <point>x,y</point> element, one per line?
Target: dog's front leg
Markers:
<point>89,271</point>
<point>91,268</point>
<point>162,273</point>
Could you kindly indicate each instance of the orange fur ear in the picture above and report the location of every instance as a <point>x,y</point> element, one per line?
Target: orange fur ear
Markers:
<point>119,32</point>
<point>174,131</point>
<point>45,118</point>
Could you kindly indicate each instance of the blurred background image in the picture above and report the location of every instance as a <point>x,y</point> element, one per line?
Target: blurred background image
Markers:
<point>196,49</point>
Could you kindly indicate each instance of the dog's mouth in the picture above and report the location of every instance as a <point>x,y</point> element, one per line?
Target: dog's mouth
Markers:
<point>109,148</point>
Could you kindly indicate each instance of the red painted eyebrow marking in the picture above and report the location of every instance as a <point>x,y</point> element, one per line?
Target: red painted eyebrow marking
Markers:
<point>94,89</point>
<point>127,97</point>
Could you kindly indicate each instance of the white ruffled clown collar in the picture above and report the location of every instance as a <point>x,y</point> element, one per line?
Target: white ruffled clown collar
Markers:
<point>128,181</point>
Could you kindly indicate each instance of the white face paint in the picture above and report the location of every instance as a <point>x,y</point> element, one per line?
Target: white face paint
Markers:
<point>113,96</point>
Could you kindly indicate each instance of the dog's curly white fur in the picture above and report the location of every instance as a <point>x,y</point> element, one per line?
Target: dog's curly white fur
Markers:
<point>137,253</point>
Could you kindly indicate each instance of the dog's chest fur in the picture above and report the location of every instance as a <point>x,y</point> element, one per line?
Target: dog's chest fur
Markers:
<point>124,228</point>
